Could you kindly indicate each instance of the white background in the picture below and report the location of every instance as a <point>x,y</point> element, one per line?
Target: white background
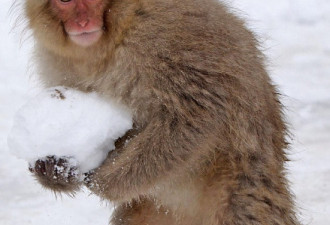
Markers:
<point>295,35</point>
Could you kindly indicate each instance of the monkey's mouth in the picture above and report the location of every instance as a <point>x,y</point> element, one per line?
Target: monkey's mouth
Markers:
<point>85,39</point>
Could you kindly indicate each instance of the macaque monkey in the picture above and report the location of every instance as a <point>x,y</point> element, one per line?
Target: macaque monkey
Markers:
<point>208,144</point>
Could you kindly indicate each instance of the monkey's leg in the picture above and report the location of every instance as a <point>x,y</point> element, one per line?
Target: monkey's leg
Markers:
<point>142,212</point>
<point>258,212</point>
<point>256,206</point>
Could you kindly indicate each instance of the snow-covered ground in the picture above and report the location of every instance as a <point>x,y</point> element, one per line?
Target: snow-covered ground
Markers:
<point>296,37</point>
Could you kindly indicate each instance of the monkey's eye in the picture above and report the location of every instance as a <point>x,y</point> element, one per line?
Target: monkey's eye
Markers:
<point>65,0</point>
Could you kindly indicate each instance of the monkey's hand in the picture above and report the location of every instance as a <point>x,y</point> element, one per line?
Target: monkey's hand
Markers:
<point>98,181</point>
<point>57,174</point>
<point>92,182</point>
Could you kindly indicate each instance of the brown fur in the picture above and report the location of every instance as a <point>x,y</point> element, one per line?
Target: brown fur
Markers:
<point>208,147</point>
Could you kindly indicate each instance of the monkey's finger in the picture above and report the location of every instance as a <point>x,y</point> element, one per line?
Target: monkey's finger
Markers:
<point>61,169</point>
<point>40,168</point>
<point>50,167</point>
<point>31,169</point>
<point>73,175</point>
<point>88,177</point>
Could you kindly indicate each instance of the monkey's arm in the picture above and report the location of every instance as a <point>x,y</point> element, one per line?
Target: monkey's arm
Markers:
<point>166,147</point>
<point>59,175</point>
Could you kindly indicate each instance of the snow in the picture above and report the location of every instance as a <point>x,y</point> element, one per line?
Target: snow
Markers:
<point>59,122</point>
<point>295,36</point>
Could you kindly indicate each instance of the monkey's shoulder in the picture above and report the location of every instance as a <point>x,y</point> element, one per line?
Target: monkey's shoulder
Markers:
<point>191,32</point>
<point>184,24</point>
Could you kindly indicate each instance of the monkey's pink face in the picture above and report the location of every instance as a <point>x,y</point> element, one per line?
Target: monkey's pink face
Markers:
<point>82,19</point>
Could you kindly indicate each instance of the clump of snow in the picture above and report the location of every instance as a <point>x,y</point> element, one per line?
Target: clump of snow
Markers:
<point>66,122</point>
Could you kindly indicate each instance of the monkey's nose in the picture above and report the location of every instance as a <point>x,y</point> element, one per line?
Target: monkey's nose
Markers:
<point>83,23</point>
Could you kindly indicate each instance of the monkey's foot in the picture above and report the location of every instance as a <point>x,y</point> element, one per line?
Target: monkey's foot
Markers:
<point>58,174</point>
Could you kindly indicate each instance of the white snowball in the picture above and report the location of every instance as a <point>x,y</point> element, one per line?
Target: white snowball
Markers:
<point>66,122</point>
